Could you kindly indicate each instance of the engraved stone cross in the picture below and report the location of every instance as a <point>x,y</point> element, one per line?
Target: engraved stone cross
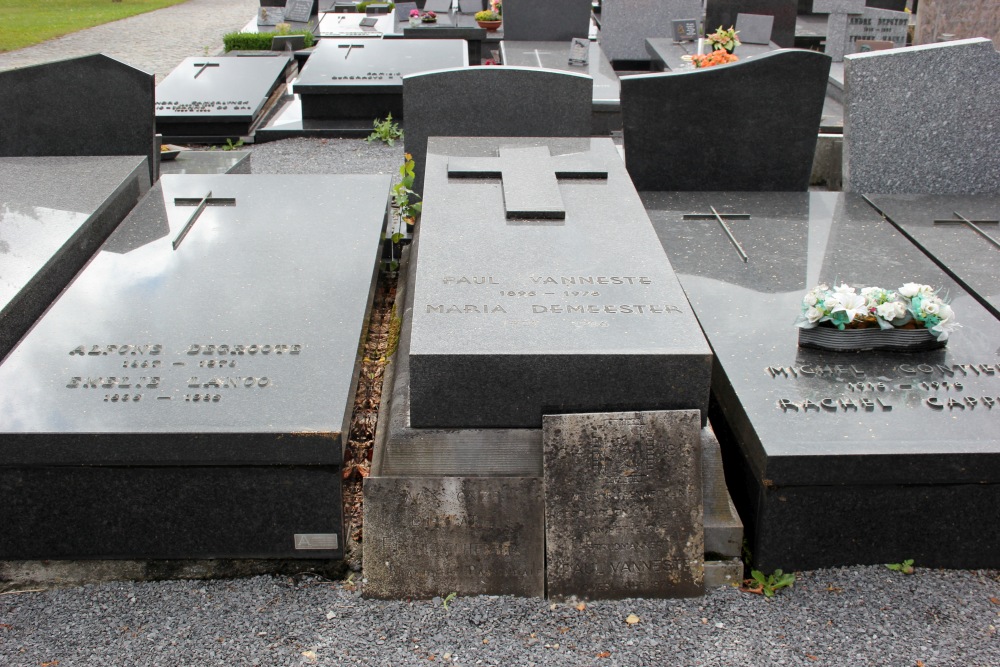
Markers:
<point>349,47</point>
<point>973,225</point>
<point>715,215</point>
<point>203,67</point>
<point>836,25</point>
<point>530,178</point>
<point>200,203</point>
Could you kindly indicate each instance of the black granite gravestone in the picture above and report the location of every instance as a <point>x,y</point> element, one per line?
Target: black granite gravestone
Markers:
<point>838,458</point>
<point>556,55</point>
<point>574,314</point>
<point>363,79</point>
<point>550,21</point>
<point>522,102</point>
<point>725,12</point>
<point>190,393</point>
<point>763,137</point>
<point>93,105</point>
<point>216,98</point>
<point>961,233</point>
<point>54,214</point>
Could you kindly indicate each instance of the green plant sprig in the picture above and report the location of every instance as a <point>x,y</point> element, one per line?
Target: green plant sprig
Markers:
<point>385,131</point>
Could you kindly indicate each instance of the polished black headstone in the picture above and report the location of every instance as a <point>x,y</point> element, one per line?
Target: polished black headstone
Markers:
<point>217,329</point>
<point>961,233</point>
<point>725,12</point>
<point>523,102</point>
<point>347,78</point>
<point>838,458</point>
<point>767,141</point>
<point>573,315</point>
<point>552,20</point>
<point>93,105</point>
<point>217,96</point>
<point>54,214</point>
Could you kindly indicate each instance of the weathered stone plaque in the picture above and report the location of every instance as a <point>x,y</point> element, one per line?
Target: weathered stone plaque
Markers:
<point>517,317</point>
<point>846,457</point>
<point>54,214</point>
<point>217,329</point>
<point>429,536</point>
<point>880,24</point>
<point>623,505</point>
<point>217,96</point>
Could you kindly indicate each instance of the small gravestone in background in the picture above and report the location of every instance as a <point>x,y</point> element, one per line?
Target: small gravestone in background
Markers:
<point>947,95</point>
<point>625,24</point>
<point>93,105</point>
<point>840,11</point>
<point>552,20</point>
<point>623,505</point>
<point>754,28</point>
<point>877,24</point>
<point>725,13</point>
<point>685,30</point>
<point>270,16</point>
<point>298,10</point>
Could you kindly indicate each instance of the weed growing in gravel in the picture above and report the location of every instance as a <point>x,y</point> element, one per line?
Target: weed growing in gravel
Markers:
<point>769,584</point>
<point>906,567</point>
<point>449,598</point>
<point>385,131</point>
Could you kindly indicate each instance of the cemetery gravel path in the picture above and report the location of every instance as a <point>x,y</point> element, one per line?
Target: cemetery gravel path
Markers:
<point>156,41</point>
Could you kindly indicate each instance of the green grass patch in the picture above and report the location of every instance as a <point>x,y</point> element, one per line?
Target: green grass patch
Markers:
<point>26,23</point>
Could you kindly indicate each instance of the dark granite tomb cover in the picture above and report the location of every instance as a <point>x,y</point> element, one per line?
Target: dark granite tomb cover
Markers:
<point>969,256</point>
<point>725,13</point>
<point>515,316</point>
<point>208,95</point>
<point>54,214</point>
<point>750,125</point>
<point>552,20</point>
<point>838,458</point>
<point>93,105</point>
<point>523,102</point>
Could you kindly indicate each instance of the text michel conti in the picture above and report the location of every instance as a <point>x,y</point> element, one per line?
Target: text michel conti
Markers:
<point>558,287</point>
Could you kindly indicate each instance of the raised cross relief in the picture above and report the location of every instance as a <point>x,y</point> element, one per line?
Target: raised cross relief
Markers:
<point>721,218</point>
<point>973,225</point>
<point>530,178</point>
<point>203,66</point>
<point>349,47</point>
<point>199,203</point>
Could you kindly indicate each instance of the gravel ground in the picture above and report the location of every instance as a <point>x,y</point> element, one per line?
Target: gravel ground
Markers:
<point>848,616</point>
<point>326,156</point>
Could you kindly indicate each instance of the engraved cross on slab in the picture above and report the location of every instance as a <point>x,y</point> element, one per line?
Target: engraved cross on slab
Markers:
<point>721,217</point>
<point>200,203</point>
<point>974,225</point>
<point>203,67</point>
<point>530,178</point>
<point>349,47</point>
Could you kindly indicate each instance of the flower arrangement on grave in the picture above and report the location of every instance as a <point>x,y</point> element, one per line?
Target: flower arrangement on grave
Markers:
<point>497,6</point>
<point>913,308</point>
<point>724,38</point>
<point>489,19</point>
<point>414,17</point>
<point>718,57</point>
<point>429,17</point>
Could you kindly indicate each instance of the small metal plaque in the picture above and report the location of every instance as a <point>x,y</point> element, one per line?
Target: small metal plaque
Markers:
<point>320,541</point>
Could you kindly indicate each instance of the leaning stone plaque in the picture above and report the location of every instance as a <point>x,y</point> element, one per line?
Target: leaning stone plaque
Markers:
<point>269,16</point>
<point>189,393</point>
<point>880,24</point>
<point>469,535</point>
<point>623,505</point>
<point>54,214</point>
<point>843,457</point>
<point>537,268</point>
<point>298,10</point>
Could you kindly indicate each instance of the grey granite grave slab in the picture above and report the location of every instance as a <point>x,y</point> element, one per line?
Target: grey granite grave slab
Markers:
<point>449,26</point>
<point>468,535</point>
<point>961,233</point>
<point>54,214</point>
<point>844,458</point>
<point>623,505</point>
<point>348,26</point>
<point>625,24</point>
<point>550,21</point>
<point>364,78</point>
<point>93,105</point>
<point>523,102</point>
<point>555,55</point>
<point>877,24</point>
<point>754,28</point>
<point>666,54</point>
<point>188,343</point>
<point>725,13</point>
<point>840,11</point>
<point>211,97</point>
<point>770,140</point>
<point>208,162</point>
<point>917,120</point>
<point>571,315</point>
